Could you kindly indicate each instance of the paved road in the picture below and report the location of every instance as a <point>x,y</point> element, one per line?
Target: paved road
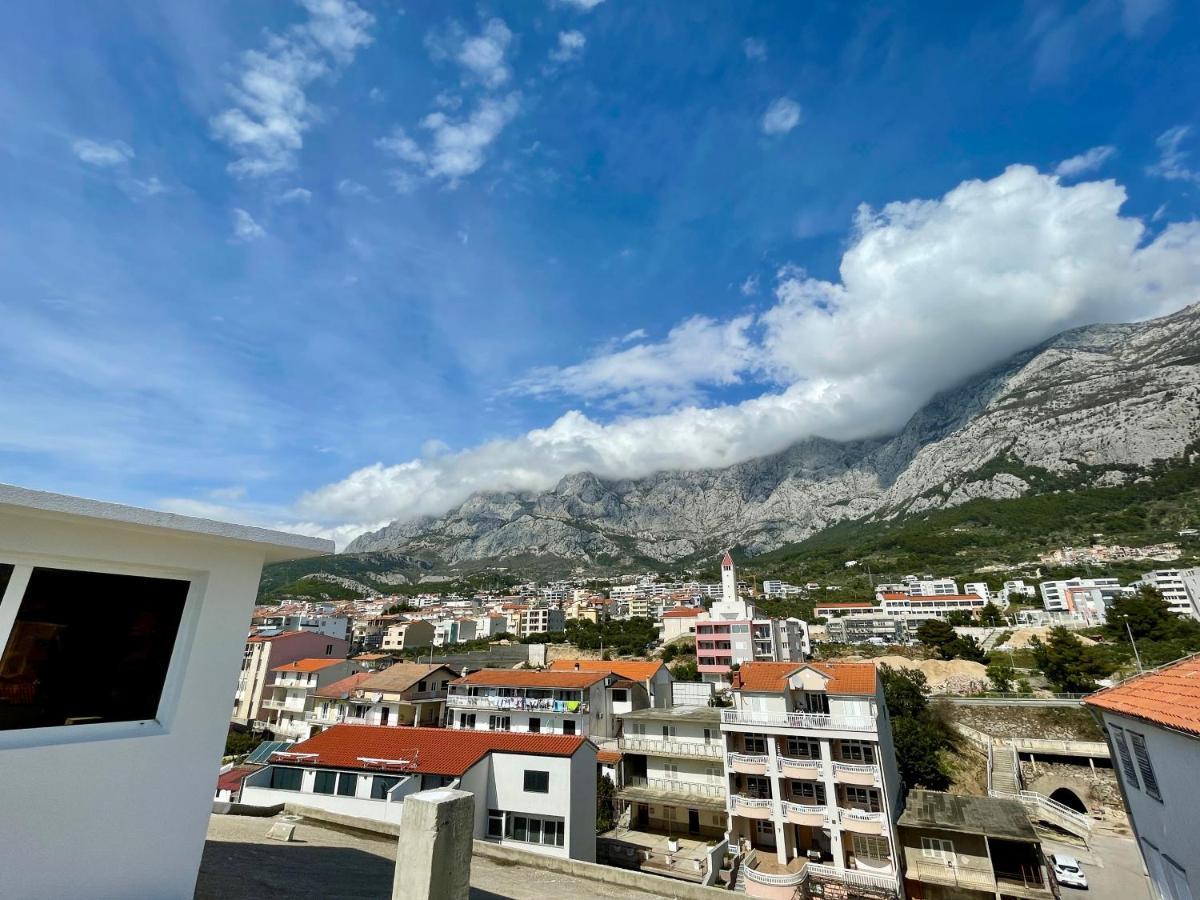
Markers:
<point>325,864</point>
<point>1112,865</point>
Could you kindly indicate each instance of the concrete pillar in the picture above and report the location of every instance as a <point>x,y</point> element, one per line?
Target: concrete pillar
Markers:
<point>433,861</point>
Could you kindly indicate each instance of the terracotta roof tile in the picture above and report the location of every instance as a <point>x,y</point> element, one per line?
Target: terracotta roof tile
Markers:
<point>530,678</point>
<point>634,670</point>
<point>340,690</point>
<point>1169,696</point>
<point>308,665</point>
<point>844,678</point>
<point>401,676</point>
<point>259,638</point>
<point>432,751</point>
<point>232,780</point>
<point>608,756</point>
<point>682,612</point>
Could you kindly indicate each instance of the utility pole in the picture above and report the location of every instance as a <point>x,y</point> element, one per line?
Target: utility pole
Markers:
<point>1137,658</point>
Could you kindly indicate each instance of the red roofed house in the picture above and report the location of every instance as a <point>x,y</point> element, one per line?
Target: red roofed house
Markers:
<point>289,699</point>
<point>402,694</point>
<point>264,653</point>
<point>534,792</point>
<point>1152,723</point>
<point>679,621</point>
<point>654,677</point>
<point>550,702</point>
<point>814,787</point>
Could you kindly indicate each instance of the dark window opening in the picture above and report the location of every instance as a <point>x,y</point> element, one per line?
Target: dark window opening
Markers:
<point>5,574</point>
<point>347,784</point>
<point>89,647</point>
<point>537,782</point>
<point>285,779</point>
<point>324,782</point>
<point>381,784</point>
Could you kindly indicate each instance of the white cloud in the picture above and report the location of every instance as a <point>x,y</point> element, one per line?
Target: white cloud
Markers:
<point>295,195</point>
<point>1172,161</point>
<point>755,49</point>
<point>781,116</point>
<point>376,95</point>
<point>580,5</point>
<point>1088,161</point>
<point>1136,13</point>
<point>570,46</point>
<point>482,56</point>
<point>265,126</point>
<point>104,154</point>
<point>245,229</point>
<point>749,287</point>
<point>350,188</point>
<point>989,269</point>
<point>457,148</point>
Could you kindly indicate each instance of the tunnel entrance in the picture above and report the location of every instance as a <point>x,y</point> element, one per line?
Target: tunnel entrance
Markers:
<point>1069,799</point>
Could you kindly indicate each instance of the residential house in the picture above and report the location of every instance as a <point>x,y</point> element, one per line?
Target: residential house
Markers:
<point>289,698</point>
<point>120,635</point>
<point>535,792</point>
<point>264,653</point>
<point>679,621</point>
<point>959,847</point>
<point>402,694</point>
<point>1054,593</point>
<point>813,782</point>
<point>1152,724</point>
<point>522,700</point>
<point>653,678</point>
<point>406,635</point>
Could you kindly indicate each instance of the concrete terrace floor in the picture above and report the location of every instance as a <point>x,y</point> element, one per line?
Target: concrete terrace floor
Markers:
<point>324,863</point>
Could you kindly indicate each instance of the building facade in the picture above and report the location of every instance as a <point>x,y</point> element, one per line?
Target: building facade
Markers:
<point>411,694</point>
<point>1171,585</point>
<point>266,652</point>
<point>289,698</point>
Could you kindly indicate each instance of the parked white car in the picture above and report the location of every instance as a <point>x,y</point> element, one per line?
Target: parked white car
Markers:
<point>1067,870</point>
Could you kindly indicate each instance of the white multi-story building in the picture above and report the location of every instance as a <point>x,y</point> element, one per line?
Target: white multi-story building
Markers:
<point>402,694</point>
<point>263,654</point>
<point>540,702</point>
<point>930,586</point>
<point>285,709</point>
<point>407,635</point>
<point>1174,590</point>
<point>1152,723</point>
<point>917,608</point>
<point>331,626</point>
<point>813,782</point>
<point>979,589</point>
<point>533,792</point>
<point>1054,593</point>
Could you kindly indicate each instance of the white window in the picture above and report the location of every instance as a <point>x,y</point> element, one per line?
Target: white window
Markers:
<point>872,847</point>
<point>498,723</point>
<point>934,848</point>
<point>1144,767</point>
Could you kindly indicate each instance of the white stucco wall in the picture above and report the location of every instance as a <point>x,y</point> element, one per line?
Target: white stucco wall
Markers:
<point>120,810</point>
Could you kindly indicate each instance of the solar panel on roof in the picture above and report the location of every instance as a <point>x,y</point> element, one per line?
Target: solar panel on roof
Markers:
<point>262,753</point>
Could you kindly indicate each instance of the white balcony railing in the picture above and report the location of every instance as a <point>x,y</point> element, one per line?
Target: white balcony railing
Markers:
<point>654,747</point>
<point>744,802</point>
<point>802,809</point>
<point>520,704</point>
<point>786,762</point>
<point>861,815</point>
<point>286,705</point>
<point>808,721</point>
<point>772,879</point>
<point>711,789</point>
<point>852,877</point>
<point>748,759</point>
<point>941,872</point>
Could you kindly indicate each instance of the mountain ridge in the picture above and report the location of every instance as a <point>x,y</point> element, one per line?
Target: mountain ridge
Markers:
<point>1101,400</point>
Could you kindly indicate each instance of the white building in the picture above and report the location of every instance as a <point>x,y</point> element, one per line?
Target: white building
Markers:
<point>653,678</point>
<point>1054,593</point>
<point>979,589</point>
<point>407,635</point>
<point>917,608</point>
<point>1170,584</point>
<point>930,586</point>
<point>1152,723</point>
<point>522,700</point>
<point>291,694</point>
<point>1191,584</point>
<point>402,694</point>
<point>533,792</point>
<point>264,652</point>
<point>122,631</point>
<point>813,782</point>
<point>331,626</point>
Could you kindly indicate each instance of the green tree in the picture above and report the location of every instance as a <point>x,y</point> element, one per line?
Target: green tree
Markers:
<point>1069,665</point>
<point>959,618</point>
<point>906,692</point>
<point>606,794</point>
<point>936,634</point>
<point>1001,674</point>
<point>239,743</point>
<point>991,616</point>
<point>685,670</point>
<point>919,736</point>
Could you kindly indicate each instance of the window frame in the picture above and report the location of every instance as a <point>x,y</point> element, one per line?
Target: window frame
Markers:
<point>937,848</point>
<point>23,564</point>
<point>544,775</point>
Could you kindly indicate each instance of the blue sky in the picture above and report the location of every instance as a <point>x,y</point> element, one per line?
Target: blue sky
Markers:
<point>324,264</point>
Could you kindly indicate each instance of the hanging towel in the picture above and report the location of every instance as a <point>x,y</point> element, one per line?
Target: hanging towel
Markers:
<point>573,705</point>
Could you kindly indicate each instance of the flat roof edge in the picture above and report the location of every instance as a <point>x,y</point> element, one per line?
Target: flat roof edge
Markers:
<point>280,545</point>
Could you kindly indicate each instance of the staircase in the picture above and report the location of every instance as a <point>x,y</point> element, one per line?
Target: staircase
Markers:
<point>1004,771</point>
<point>1004,780</point>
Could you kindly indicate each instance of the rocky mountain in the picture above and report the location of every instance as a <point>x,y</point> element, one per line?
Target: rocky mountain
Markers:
<point>1093,405</point>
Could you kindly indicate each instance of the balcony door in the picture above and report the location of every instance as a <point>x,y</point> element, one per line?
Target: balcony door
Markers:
<point>383,715</point>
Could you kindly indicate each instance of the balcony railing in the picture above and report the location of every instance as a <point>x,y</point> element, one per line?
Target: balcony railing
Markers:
<point>563,707</point>
<point>854,773</point>
<point>938,872</point>
<point>852,877</point>
<point>740,803</point>
<point>861,815</point>
<point>793,875</point>
<point>786,762</point>
<point>814,721</point>
<point>749,764</point>
<point>805,811</point>
<point>286,705</point>
<point>673,786</point>
<point>654,747</point>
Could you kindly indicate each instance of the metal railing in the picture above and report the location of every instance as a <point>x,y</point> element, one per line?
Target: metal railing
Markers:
<point>802,809</point>
<point>748,759</point>
<point>653,746</point>
<point>957,875</point>
<point>519,704</point>
<point>674,786</point>
<point>856,768</point>
<point>790,763</point>
<point>861,815</point>
<point>1056,812</point>
<point>294,706</point>
<point>813,721</point>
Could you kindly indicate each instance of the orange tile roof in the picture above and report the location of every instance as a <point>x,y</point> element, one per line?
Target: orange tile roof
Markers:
<point>608,756</point>
<point>634,670</point>
<point>340,690</point>
<point>682,612</point>
<point>530,678</point>
<point>259,638</point>
<point>1169,696</point>
<point>432,751</point>
<point>844,678</point>
<point>308,665</point>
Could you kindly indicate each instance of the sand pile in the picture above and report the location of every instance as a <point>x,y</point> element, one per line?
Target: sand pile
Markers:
<point>1021,637</point>
<point>953,676</point>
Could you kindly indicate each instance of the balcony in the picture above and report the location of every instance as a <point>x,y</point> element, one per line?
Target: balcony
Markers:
<point>520,704</point>
<point>802,814</point>
<point>711,790</point>
<point>769,873</point>
<point>747,764</point>
<point>293,683</point>
<point>750,807</point>
<point>948,873</point>
<point>654,747</point>
<point>859,774</point>
<point>296,705</point>
<point>797,720</point>
<point>852,877</point>
<point>861,821</point>
<point>800,769</point>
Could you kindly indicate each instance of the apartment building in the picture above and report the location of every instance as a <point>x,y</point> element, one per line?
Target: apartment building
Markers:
<point>860,629</point>
<point>521,700</point>
<point>814,790</point>
<point>329,625</point>
<point>1152,724</point>
<point>939,606</point>
<point>971,848</point>
<point>535,792</point>
<point>653,678</point>
<point>402,694</point>
<point>678,622</point>
<point>266,652</point>
<point>835,610</point>
<point>457,630</point>
<point>1174,590</point>
<point>673,780</point>
<point>979,589</point>
<point>930,586</point>
<point>289,698</point>
<point>407,635</point>
<point>1054,593</point>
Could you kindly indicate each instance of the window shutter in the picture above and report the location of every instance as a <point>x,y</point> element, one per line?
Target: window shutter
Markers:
<point>1131,778</point>
<point>1143,763</point>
